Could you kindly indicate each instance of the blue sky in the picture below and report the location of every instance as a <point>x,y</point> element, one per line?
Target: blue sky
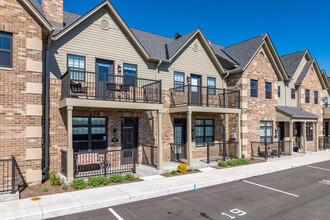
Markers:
<point>293,25</point>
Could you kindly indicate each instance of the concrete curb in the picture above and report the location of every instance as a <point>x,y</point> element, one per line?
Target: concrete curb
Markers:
<point>86,200</point>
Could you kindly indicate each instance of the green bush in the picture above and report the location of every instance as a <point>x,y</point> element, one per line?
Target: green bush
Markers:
<point>22,185</point>
<point>94,181</point>
<point>45,189</point>
<point>189,170</point>
<point>54,179</point>
<point>116,178</point>
<point>174,172</point>
<point>78,184</point>
<point>104,180</point>
<point>243,156</point>
<point>64,187</point>
<point>129,177</point>
<point>196,170</point>
<point>232,155</point>
<point>223,164</point>
<point>252,158</point>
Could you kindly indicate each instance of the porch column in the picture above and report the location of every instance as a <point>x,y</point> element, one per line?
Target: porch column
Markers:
<point>69,159</point>
<point>239,141</point>
<point>189,145</point>
<point>316,139</point>
<point>304,137</point>
<point>291,137</point>
<point>160,141</point>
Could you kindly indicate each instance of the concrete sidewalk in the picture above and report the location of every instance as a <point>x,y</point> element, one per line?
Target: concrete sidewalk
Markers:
<point>153,186</point>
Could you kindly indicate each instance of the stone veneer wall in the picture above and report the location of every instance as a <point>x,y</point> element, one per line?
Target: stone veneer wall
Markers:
<point>21,92</point>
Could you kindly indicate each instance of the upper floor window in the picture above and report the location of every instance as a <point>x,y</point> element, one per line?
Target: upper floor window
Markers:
<point>326,102</point>
<point>6,50</point>
<point>316,97</point>
<point>254,88</point>
<point>179,81</point>
<point>279,91</point>
<point>293,94</point>
<point>211,85</point>
<point>130,73</point>
<point>268,88</point>
<point>306,96</point>
<point>77,65</point>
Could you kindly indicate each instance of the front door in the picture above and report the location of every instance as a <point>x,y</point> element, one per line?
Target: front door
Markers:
<point>195,89</point>
<point>326,129</point>
<point>103,69</point>
<point>129,131</point>
<point>298,136</point>
<point>180,139</point>
<point>281,135</point>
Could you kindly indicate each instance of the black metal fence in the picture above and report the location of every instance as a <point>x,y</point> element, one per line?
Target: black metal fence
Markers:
<point>149,155</point>
<point>324,143</point>
<point>204,96</point>
<point>178,152</point>
<point>272,149</point>
<point>77,83</point>
<point>104,163</point>
<point>221,151</point>
<point>11,177</point>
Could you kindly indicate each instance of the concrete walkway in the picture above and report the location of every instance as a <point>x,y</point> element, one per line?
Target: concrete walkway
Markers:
<point>153,186</point>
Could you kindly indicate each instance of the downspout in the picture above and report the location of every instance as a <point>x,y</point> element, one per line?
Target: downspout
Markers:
<point>157,68</point>
<point>46,131</point>
<point>223,81</point>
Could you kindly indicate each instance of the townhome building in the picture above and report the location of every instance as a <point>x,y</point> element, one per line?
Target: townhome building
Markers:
<point>88,95</point>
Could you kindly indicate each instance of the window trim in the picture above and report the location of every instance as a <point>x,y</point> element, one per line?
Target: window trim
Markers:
<point>293,95</point>
<point>204,126</point>
<point>209,87</point>
<point>272,136</point>
<point>67,65</point>
<point>316,98</point>
<point>184,81</point>
<point>307,100</point>
<point>271,87</point>
<point>11,50</point>
<point>254,80</point>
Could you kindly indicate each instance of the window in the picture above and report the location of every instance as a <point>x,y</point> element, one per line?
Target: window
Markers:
<point>6,50</point>
<point>316,98</point>
<point>279,91</point>
<point>254,88</point>
<point>306,96</point>
<point>204,132</point>
<point>211,85</point>
<point>266,131</point>
<point>326,102</point>
<point>130,74</point>
<point>77,63</point>
<point>178,81</point>
<point>309,131</point>
<point>293,94</point>
<point>89,133</point>
<point>268,88</point>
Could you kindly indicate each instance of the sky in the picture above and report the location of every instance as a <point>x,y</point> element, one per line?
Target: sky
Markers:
<point>293,25</point>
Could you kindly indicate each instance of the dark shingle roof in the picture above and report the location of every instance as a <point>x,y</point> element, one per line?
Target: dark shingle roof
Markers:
<point>304,72</point>
<point>296,112</point>
<point>37,5</point>
<point>68,19</point>
<point>175,45</point>
<point>218,50</point>
<point>292,61</point>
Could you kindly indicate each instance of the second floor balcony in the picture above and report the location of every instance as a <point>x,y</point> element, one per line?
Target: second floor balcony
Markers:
<point>81,84</point>
<point>192,95</point>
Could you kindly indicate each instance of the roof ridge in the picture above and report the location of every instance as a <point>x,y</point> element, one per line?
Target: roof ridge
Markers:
<point>245,40</point>
<point>294,53</point>
<point>151,33</point>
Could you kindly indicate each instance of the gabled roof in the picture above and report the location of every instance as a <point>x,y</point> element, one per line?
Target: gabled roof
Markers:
<point>304,71</point>
<point>296,113</point>
<point>177,44</point>
<point>292,61</point>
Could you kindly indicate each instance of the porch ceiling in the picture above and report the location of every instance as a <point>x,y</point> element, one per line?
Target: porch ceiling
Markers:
<point>205,110</point>
<point>109,104</point>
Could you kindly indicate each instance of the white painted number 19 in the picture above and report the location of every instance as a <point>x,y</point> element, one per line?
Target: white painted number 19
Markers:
<point>236,212</point>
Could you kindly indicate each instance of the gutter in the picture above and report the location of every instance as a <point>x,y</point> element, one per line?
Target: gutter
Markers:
<point>46,113</point>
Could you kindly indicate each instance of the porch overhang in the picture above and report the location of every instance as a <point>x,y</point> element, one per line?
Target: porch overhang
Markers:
<point>74,102</point>
<point>205,110</point>
<point>293,114</point>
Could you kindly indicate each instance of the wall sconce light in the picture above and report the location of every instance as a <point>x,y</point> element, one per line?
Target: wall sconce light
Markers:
<point>276,133</point>
<point>188,79</point>
<point>115,132</point>
<point>119,69</point>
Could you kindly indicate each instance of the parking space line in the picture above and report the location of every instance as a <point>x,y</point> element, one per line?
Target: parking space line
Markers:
<point>115,214</point>
<point>320,168</point>
<point>266,187</point>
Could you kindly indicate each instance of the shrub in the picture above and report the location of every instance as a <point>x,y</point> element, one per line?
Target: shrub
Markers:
<point>232,155</point>
<point>174,172</point>
<point>182,168</point>
<point>196,170</point>
<point>252,158</point>
<point>223,164</point>
<point>116,178</point>
<point>94,181</point>
<point>189,170</point>
<point>129,177</point>
<point>54,179</point>
<point>45,189</point>
<point>22,185</point>
<point>232,162</point>
<point>104,180</point>
<point>78,184</point>
<point>64,187</point>
<point>31,188</point>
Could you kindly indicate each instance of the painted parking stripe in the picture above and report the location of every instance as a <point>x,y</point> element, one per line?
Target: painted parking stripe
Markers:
<point>115,214</point>
<point>266,187</point>
<point>320,168</point>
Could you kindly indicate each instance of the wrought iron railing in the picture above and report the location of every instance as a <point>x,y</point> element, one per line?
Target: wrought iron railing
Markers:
<point>272,149</point>
<point>220,151</point>
<point>324,143</point>
<point>11,177</point>
<point>77,83</point>
<point>149,155</point>
<point>204,96</point>
<point>178,152</point>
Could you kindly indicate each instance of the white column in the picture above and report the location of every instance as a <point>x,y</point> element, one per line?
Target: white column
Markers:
<point>239,141</point>
<point>69,154</point>
<point>160,141</point>
<point>291,137</point>
<point>304,137</point>
<point>316,138</point>
<point>189,144</point>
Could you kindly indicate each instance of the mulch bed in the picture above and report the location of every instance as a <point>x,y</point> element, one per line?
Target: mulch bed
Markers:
<point>179,174</point>
<point>251,162</point>
<point>37,189</point>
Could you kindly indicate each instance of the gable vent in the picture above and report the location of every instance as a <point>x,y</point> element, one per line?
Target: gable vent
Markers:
<point>105,25</point>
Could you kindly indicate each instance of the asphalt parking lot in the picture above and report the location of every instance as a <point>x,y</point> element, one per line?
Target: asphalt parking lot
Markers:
<point>298,193</point>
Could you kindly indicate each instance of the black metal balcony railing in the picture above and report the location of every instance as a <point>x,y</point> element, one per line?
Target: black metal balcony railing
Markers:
<point>324,143</point>
<point>11,178</point>
<point>77,83</point>
<point>178,152</point>
<point>204,96</point>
